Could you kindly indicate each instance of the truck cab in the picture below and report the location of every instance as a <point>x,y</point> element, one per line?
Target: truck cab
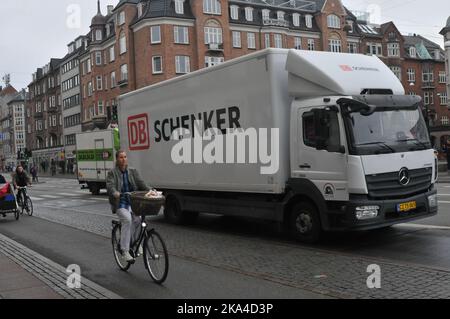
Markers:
<point>368,155</point>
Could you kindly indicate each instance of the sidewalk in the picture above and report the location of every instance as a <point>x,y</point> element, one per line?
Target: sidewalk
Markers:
<point>17,283</point>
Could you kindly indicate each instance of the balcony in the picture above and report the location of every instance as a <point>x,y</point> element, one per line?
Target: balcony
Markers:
<point>276,23</point>
<point>53,110</point>
<point>428,85</point>
<point>215,47</point>
<point>100,121</point>
<point>122,83</point>
<point>38,115</point>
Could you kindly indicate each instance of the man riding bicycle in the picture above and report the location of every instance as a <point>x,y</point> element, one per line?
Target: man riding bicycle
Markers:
<point>21,179</point>
<point>120,181</point>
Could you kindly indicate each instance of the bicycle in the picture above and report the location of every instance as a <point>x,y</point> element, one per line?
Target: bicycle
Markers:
<point>25,201</point>
<point>155,251</point>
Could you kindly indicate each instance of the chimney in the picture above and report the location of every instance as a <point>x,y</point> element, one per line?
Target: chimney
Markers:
<point>110,9</point>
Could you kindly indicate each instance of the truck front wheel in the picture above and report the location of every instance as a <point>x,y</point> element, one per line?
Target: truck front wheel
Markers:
<point>304,223</point>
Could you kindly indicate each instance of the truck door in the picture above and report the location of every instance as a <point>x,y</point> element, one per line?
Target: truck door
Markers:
<point>99,160</point>
<point>322,156</point>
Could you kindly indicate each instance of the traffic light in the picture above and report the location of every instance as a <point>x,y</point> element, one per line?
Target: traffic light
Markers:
<point>115,115</point>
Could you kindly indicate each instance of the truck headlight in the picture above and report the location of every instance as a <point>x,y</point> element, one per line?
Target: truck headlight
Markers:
<point>433,200</point>
<point>366,212</point>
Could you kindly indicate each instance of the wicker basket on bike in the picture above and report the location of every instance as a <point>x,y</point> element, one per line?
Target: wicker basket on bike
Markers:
<point>145,206</point>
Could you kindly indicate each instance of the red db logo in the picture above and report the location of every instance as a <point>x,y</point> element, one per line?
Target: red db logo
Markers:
<point>138,133</point>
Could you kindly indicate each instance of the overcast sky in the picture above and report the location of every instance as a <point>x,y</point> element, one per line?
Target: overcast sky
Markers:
<point>31,31</point>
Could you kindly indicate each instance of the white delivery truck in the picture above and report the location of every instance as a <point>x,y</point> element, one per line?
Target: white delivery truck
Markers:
<point>318,141</point>
<point>95,153</point>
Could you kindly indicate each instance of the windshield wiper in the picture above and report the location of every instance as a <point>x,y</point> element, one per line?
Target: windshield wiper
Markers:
<point>416,141</point>
<point>378,143</point>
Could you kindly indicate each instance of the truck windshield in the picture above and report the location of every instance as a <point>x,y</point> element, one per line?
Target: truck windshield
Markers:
<point>388,130</point>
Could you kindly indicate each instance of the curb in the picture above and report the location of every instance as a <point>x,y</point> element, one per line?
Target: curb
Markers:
<point>51,273</point>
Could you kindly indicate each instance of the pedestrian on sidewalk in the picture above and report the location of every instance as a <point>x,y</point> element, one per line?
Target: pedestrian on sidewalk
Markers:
<point>34,173</point>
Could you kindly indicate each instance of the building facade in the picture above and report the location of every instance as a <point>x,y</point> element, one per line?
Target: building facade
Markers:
<point>44,118</point>
<point>71,99</point>
<point>6,95</point>
<point>17,147</point>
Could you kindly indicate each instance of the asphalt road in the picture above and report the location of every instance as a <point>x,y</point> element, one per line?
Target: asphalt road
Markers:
<point>221,257</point>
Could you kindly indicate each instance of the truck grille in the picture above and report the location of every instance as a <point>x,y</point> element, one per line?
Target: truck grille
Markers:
<point>388,186</point>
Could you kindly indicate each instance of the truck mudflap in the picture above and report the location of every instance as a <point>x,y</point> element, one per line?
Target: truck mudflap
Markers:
<point>388,212</point>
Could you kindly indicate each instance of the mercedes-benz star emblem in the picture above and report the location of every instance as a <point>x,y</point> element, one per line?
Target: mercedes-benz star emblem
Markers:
<point>403,177</point>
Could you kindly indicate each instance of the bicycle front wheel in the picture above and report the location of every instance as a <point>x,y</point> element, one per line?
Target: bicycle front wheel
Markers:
<point>156,258</point>
<point>28,206</point>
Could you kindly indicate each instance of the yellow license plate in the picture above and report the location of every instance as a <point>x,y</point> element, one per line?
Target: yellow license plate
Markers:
<point>406,206</point>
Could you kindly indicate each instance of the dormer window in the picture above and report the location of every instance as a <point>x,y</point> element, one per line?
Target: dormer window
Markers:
<point>309,21</point>
<point>121,18</point>
<point>234,12</point>
<point>179,6</point>
<point>212,7</point>
<point>98,35</point>
<point>334,21</point>
<point>108,30</point>
<point>296,19</point>
<point>249,14</point>
<point>412,52</point>
<point>266,14</point>
<point>350,23</point>
<point>280,15</point>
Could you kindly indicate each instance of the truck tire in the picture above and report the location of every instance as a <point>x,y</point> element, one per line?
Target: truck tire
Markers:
<point>304,223</point>
<point>174,214</point>
<point>94,188</point>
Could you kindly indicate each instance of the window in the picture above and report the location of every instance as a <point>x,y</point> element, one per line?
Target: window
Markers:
<point>267,40</point>
<point>298,43</point>
<point>427,76</point>
<point>234,12</point>
<point>212,7</point>
<point>212,61</point>
<point>442,77</point>
<point>428,98</point>
<point>266,14</point>
<point>155,34</point>
<point>124,72</point>
<point>98,58</point>
<point>89,66</point>
<point>444,120</point>
<point>121,18</point>
<point>334,21</point>
<point>334,45</point>
<point>308,19</point>
<point>351,25</point>
<point>443,98</point>
<point>181,35</point>
<point>375,49</point>
<point>249,14</point>
<point>251,40</point>
<point>236,39</point>
<point>352,47</point>
<point>157,64</point>
<point>113,79</point>
<point>393,50</point>
<point>213,35</point>
<point>309,131</point>
<point>296,19</point>
<point>411,75</point>
<point>123,44</point>
<point>182,64</point>
<point>280,15</point>
<point>278,40</point>
<point>179,6</point>
<point>99,83</point>
<point>311,45</point>
<point>90,91</point>
<point>112,54</point>
<point>412,52</point>
<point>397,71</point>
<point>98,35</point>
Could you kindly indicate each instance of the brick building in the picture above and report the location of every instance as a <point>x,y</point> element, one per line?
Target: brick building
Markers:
<point>44,117</point>
<point>6,95</point>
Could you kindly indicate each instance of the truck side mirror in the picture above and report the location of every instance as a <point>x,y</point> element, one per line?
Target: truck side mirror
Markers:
<point>322,130</point>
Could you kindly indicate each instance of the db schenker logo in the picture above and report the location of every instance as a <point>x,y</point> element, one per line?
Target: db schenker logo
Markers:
<point>138,132</point>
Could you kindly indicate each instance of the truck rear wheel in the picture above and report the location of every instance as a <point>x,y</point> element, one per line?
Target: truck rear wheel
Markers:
<point>174,214</point>
<point>94,188</point>
<point>304,223</point>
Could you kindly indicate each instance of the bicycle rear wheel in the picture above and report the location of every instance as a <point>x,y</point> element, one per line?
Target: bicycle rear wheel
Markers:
<point>115,238</point>
<point>156,258</point>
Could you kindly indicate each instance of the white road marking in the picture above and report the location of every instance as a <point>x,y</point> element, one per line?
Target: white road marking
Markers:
<point>50,196</point>
<point>425,226</point>
<point>33,198</point>
<point>444,202</point>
